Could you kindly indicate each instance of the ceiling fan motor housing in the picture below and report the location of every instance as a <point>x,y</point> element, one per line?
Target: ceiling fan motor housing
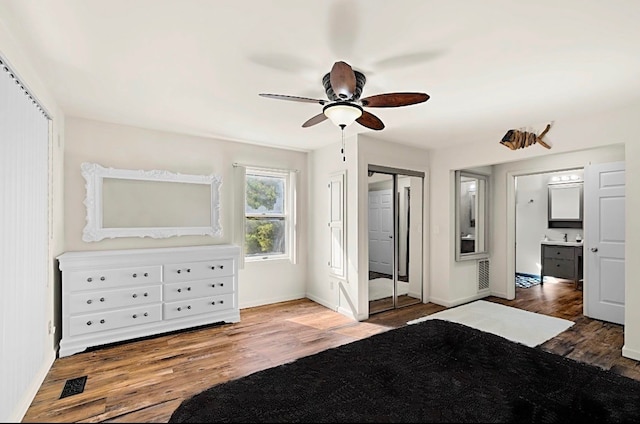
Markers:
<point>360,81</point>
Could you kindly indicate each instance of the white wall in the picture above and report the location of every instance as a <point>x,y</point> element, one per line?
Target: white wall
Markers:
<point>126,147</point>
<point>453,283</point>
<point>19,385</point>
<point>335,293</point>
<point>350,297</point>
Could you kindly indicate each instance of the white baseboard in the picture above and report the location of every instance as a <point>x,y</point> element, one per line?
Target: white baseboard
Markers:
<point>630,353</point>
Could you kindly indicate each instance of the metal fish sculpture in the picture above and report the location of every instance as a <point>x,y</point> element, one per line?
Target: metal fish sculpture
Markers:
<point>516,139</point>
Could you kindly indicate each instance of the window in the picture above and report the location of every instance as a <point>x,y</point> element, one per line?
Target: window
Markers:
<point>267,226</point>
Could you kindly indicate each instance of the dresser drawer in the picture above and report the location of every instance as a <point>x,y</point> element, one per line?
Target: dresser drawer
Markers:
<point>558,252</point>
<point>198,288</point>
<point>93,301</point>
<point>559,268</point>
<point>112,277</point>
<point>188,271</point>
<point>109,320</point>
<point>190,307</point>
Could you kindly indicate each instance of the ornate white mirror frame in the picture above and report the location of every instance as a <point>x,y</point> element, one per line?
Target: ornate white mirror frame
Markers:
<point>94,230</point>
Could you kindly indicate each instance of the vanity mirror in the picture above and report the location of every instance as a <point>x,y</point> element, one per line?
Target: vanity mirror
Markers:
<point>565,205</point>
<point>158,204</point>
<point>471,211</point>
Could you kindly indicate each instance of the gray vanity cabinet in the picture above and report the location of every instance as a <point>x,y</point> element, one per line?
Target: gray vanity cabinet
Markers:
<point>562,261</point>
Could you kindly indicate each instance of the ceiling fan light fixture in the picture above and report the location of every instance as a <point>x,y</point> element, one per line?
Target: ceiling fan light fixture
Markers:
<point>342,114</point>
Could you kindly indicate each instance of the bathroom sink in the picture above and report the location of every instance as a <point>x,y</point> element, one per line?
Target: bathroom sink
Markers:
<point>562,242</point>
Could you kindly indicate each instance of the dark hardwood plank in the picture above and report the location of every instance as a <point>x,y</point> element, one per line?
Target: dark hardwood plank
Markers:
<point>144,381</point>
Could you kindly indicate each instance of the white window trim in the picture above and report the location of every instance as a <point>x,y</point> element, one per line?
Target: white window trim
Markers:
<point>289,214</point>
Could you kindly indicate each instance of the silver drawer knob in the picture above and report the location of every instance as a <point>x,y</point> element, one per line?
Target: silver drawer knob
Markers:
<point>89,301</point>
<point>102,278</point>
<point>102,299</point>
<point>135,295</point>
<point>146,314</point>
<point>89,279</point>
<point>135,316</point>
<point>89,323</point>
<point>146,274</point>
<point>101,321</point>
<point>135,275</point>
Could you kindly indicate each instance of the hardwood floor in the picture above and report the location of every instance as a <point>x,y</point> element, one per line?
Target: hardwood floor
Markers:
<point>144,381</point>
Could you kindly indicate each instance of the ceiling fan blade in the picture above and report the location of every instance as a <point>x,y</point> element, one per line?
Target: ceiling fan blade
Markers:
<point>293,98</point>
<point>369,120</point>
<point>394,99</point>
<point>315,120</point>
<point>343,80</point>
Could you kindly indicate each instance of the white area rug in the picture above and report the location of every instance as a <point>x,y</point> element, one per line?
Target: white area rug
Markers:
<point>518,325</point>
<point>379,288</point>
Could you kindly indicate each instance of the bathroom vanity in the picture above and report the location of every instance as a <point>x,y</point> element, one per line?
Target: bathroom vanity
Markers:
<point>561,259</point>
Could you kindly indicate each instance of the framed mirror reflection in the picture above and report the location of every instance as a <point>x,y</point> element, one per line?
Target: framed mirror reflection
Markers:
<point>395,202</point>
<point>471,215</point>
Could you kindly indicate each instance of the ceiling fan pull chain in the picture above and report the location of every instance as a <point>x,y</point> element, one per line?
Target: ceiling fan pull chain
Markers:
<point>342,149</point>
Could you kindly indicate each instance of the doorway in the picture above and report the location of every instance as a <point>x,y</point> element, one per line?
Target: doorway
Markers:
<point>395,199</point>
<point>548,250</point>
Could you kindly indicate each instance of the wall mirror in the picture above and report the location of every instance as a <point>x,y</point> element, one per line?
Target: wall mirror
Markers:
<point>157,204</point>
<point>565,205</point>
<point>395,234</point>
<point>472,212</point>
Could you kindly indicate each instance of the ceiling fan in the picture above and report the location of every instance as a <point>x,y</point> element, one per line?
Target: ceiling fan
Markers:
<point>344,86</point>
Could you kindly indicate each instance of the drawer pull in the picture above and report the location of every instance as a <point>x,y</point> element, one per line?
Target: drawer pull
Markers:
<point>214,302</point>
<point>220,284</point>
<point>221,266</point>
<point>146,294</point>
<point>180,307</point>
<point>135,295</point>
<point>102,299</point>
<point>89,279</point>
<point>188,289</point>
<point>101,321</point>
<point>89,302</point>
<point>135,275</point>
<point>213,267</point>
<point>102,278</point>
<point>89,323</point>
<point>188,270</point>
<point>146,314</point>
<point>135,316</point>
<point>146,274</point>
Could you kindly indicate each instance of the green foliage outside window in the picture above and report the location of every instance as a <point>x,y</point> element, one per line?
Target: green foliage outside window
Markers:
<point>261,193</point>
<point>261,236</point>
<point>264,225</point>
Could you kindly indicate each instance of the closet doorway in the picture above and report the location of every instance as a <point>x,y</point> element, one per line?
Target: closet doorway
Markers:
<point>395,238</point>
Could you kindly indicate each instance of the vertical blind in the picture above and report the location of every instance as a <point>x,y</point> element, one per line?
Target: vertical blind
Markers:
<point>24,250</point>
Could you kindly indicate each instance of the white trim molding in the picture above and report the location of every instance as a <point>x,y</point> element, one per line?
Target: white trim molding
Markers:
<point>94,230</point>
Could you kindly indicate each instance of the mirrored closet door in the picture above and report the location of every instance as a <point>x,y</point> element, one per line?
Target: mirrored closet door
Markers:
<point>395,238</point>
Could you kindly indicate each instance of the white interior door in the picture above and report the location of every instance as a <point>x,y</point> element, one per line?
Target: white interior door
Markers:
<point>381,231</point>
<point>604,217</point>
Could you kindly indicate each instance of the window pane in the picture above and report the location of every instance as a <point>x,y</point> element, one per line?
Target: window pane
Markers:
<point>264,236</point>
<point>265,194</point>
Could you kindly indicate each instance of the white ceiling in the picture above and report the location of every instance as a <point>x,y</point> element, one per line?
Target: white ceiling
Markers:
<point>196,67</point>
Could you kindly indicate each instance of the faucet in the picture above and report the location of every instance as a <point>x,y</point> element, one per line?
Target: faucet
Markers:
<point>564,237</point>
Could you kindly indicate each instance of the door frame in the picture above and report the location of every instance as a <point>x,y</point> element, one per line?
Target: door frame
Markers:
<point>511,222</point>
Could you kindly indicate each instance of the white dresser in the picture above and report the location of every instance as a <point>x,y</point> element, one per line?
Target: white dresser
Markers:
<point>114,295</point>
